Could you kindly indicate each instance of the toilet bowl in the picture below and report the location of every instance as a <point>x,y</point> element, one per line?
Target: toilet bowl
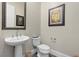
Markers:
<point>42,49</point>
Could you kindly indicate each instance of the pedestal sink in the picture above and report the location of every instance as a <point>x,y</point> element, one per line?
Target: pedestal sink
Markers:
<point>17,42</point>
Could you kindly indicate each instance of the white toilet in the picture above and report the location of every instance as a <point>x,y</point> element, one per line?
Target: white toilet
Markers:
<point>42,49</point>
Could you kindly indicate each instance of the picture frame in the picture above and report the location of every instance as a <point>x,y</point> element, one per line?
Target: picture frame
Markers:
<point>19,20</point>
<point>57,16</point>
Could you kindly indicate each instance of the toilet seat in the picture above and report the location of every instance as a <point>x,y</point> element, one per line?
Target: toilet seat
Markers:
<point>43,48</point>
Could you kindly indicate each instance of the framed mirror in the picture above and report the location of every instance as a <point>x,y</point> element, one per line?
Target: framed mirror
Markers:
<point>13,15</point>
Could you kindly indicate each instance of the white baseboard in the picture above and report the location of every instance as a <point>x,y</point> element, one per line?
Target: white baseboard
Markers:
<point>58,54</point>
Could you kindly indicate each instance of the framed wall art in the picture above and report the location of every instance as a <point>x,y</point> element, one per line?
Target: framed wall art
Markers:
<point>19,20</point>
<point>57,16</point>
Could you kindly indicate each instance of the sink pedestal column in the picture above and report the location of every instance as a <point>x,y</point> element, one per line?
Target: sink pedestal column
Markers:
<point>18,51</point>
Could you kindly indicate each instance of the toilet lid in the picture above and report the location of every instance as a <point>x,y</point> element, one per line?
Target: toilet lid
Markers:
<point>44,46</point>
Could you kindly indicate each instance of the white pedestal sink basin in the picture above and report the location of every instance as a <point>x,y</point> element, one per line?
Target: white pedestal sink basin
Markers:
<point>17,42</point>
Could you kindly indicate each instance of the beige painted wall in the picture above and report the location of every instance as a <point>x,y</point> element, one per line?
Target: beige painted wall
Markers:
<point>67,37</point>
<point>33,21</point>
<point>32,26</point>
<point>33,18</point>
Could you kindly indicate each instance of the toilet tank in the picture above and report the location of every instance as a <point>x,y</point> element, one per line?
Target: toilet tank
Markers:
<point>36,41</point>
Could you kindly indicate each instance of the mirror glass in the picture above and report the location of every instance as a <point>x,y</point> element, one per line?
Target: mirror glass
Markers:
<point>14,13</point>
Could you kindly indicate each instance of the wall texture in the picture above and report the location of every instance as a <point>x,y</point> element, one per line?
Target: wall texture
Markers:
<point>32,26</point>
<point>33,18</point>
<point>67,37</point>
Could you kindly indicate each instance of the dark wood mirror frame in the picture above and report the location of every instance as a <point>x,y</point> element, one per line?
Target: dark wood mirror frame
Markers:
<point>4,18</point>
